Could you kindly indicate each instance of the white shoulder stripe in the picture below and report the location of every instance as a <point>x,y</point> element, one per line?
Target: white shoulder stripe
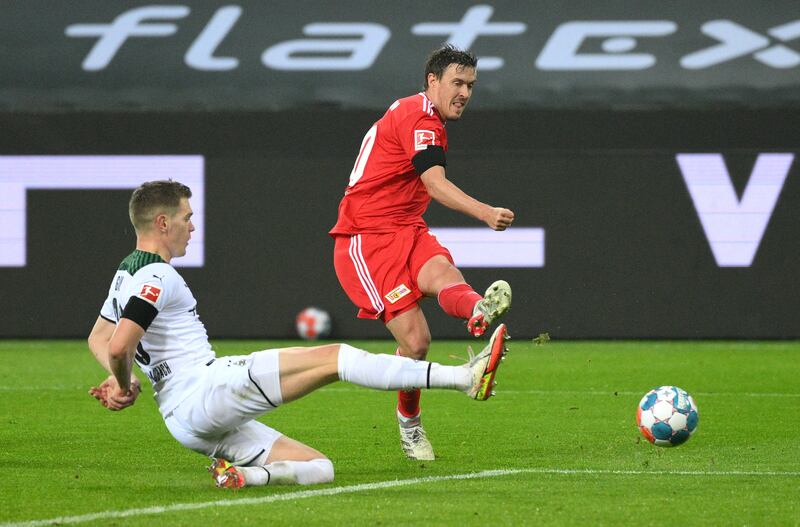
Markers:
<point>427,105</point>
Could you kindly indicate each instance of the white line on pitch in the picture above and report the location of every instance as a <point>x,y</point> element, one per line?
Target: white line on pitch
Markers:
<point>618,392</point>
<point>510,392</point>
<point>178,507</point>
<point>588,392</point>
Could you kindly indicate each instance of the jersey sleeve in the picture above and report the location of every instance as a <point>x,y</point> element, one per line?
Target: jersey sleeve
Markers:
<point>150,292</point>
<point>107,311</point>
<point>419,131</point>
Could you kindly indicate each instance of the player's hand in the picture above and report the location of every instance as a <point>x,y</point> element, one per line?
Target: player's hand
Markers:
<point>112,397</point>
<point>119,399</point>
<point>101,392</point>
<point>499,218</point>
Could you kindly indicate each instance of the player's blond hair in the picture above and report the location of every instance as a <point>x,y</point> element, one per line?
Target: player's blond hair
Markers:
<point>153,198</point>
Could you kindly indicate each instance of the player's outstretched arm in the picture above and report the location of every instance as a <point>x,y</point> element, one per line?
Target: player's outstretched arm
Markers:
<point>448,194</point>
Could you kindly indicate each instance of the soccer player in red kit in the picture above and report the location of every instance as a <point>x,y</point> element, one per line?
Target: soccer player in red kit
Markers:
<point>385,257</point>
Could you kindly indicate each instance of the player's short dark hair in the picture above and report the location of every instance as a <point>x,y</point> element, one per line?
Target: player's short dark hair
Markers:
<point>154,197</point>
<point>442,58</point>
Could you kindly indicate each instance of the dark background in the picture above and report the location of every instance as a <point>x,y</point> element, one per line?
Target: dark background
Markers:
<point>41,67</point>
<point>588,156</point>
<point>625,254</point>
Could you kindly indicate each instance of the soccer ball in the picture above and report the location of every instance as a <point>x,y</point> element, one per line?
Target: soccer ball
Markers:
<point>313,323</point>
<point>667,416</point>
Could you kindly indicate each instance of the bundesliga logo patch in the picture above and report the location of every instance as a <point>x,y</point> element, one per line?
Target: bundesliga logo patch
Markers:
<point>423,139</point>
<point>150,293</point>
<point>397,293</point>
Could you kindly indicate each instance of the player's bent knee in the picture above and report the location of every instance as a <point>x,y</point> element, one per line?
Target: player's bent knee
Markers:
<point>418,349</point>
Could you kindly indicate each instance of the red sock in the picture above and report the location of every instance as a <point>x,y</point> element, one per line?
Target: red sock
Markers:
<point>408,400</point>
<point>457,300</point>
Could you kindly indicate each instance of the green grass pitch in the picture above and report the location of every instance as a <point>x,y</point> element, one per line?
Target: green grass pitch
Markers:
<point>558,445</point>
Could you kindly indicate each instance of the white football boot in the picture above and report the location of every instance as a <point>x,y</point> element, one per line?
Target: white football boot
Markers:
<point>484,366</point>
<point>494,304</point>
<point>414,440</point>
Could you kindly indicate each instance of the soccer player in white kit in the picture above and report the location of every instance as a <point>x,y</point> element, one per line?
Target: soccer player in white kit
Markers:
<point>209,404</point>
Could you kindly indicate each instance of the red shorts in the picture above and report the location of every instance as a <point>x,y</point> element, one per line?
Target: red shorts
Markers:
<point>379,271</point>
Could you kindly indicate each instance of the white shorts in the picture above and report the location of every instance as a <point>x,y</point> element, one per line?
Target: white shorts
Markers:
<point>218,419</point>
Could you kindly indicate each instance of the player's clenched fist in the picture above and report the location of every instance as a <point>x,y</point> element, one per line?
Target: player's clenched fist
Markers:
<point>499,218</point>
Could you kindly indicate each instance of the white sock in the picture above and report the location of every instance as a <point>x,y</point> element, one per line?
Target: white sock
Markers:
<point>408,422</point>
<point>289,473</point>
<point>454,377</point>
<point>254,476</point>
<point>391,372</point>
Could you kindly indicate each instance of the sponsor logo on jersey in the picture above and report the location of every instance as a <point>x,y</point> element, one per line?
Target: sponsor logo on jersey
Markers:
<point>150,293</point>
<point>423,139</point>
<point>397,293</point>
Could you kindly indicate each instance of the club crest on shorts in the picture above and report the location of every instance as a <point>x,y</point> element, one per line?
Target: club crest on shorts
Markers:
<point>423,139</point>
<point>397,293</point>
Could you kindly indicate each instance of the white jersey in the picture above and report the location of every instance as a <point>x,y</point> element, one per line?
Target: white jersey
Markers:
<point>174,350</point>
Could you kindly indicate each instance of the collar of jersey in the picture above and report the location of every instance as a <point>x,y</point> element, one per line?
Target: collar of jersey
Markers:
<point>160,259</point>
<point>435,109</point>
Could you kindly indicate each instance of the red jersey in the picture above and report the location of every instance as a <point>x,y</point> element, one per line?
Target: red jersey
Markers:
<point>385,192</point>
